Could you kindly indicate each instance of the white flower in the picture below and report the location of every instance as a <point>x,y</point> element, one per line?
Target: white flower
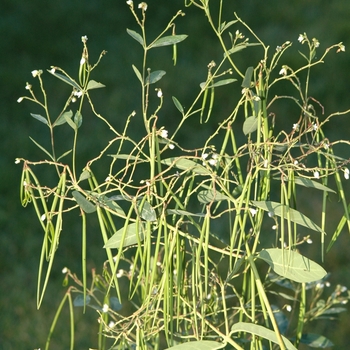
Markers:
<point>105,308</point>
<point>171,146</point>
<point>19,100</point>
<point>159,93</point>
<point>316,42</point>
<point>111,324</point>
<point>278,48</point>
<point>107,179</point>
<point>274,227</point>
<point>309,241</point>
<point>17,161</point>
<point>316,174</point>
<point>82,61</point>
<point>301,38</point>
<point>28,86</point>
<point>130,2</point>
<point>314,127</point>
<point>253,211</point>
<point>283,71</point>
<point>64,270</point>
<point>271,214</point>
<point>142,6</point>
<point>78,93</point>
<point>43,217</point>
<point>35,72</point>
<point>164,133</point>
<point>120,273</point>
<point>213,161</point>
<point>288,308</point>
<point>84,38</point>
<point>53,70</point>
<point>296,127</point>
<point>341,48</point>
<point>346,173</point>
<point>204,156</point>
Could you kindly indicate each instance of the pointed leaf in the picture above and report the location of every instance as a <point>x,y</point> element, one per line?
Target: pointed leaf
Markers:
<point>39,117</point>
<point>138,74</point>
<point>186,164</point>
<point>147,212</point>
<point>42,148</point>
<point>66,79</point>
<point>70,122</point>
<point>131,236</point>
<point>155,76</point>
<point>316,341</point>
<point>84,175</point>
<point>225,25</point>
<point>168,40</point>
<point>135,36</point>
<point>295,216</point>
<point>92,84</point>
<point>248,77</point>
<point>250,125</point>
<point>183,212</point>
<point>261,332</point>
<point>312,184</point>
<point>62,118</point>
<point>107,202</point>
<point>207,196</point>
<point>64,154</point>
<point>79,300</point>
<point>292,265</point>
<point>223,82</point>
<point>78,119</point>
<point>84,204</point>
<point>198,345</point>
<point>178,105</point>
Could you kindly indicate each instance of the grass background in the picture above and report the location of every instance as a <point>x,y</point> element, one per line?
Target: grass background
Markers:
<point>37,34</point>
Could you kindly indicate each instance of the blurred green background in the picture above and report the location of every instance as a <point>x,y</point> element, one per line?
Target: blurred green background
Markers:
<point>37,34</point>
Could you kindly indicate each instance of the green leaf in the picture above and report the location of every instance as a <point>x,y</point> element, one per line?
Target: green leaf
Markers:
<point>64,154</point>
<point>66,79</point>
<point>138,74</point>
<point>248,78</point>
<point>295,216</point>
<point>183,212</point>
<point>115,304</point>
<point>70,121</point>
<point>79,300</point>
<point>292,265</point>
<point>147,212</point>
<point>84,175</point>
<point>155,76</point>
<point>312,184</point>
<point>223,82</point>
<point>135,36</point>
<point>107,202</point>
<point>261,332</point>
<point>186,164</point>
<point>178,105</point>
<point>198,345</point>
<point>40,118</point>
<point>62,118</point>
<point>225,25</point>
<point>316,341</point>
<point>250,125</point>
<point>207,196</point>
<point>78,119</point>
<point>84,204</point>
<point>168,40</point>
<point>42,148</point>
<point>131,236</point>
<point>92,84</point>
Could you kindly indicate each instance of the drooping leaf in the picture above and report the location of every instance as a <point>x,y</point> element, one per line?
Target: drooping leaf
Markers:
<point>131,236</point>
<point>248,77</point>
<point>207,196</point>
<point>155,76</point>
<point>79,300</point>
<point>169,40</point>
<point>312,184</point>
<point>78,119</point>
<point>92,84</point>
<point>198,345</point>
<point>178,105</point>
<point>84,204</point>
<point>66,79</point>
<point>186,164</point>
<point>250,125</point>
<point>138,74</point>
<point>183,212</point>
<point>235,49</point>
<point>107,202</point>
<point>223,82</point>
<point>135,36</point>
<point>295,216</point>
<point>316,341</point>
<point>147,212</point>
<point>40,118</point>
<point>62,118</point>
<point>261,332</point>
<point>292,265</point>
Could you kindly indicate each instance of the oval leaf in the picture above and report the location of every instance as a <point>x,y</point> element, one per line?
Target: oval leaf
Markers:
<point>147,212</point>
<point>138,74</point>
<point>79,300</point>
<point>186,164</point>
<point>115,304</point>
<point>66,79</point>
<point>247,77</point>
<point>292,265</point>
<point>223,82</point>
<point>261,332</point>
<point>78,119</point>
<point>39,117</point>
<point>207,196</point>
<point>84,204</point>
<point>155,76</point>
<point>199,345</point>
<point>131,236</point>
<point>62,118</point>
<point>312,184</point>
<point>295,216</point>
<point>316,341</point>
<point>135,36</point>
<point>168,40</point>
<point>178,105</point>
<point>250,125</point>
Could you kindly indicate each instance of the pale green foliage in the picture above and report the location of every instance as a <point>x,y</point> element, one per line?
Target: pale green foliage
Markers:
<point>187,281</point>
